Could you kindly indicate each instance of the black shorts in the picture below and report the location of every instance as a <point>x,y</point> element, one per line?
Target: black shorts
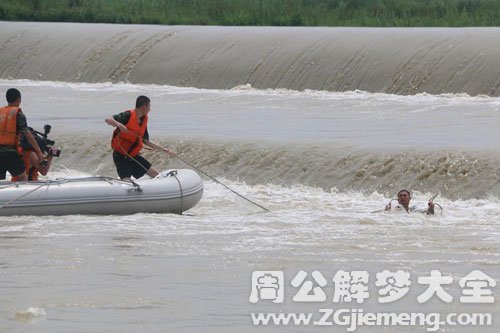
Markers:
<point>127,167</point>
<point>11,161</point>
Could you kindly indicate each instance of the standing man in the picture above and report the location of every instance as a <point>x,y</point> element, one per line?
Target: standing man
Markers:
<point>12,124</point>
<point>130,135</point>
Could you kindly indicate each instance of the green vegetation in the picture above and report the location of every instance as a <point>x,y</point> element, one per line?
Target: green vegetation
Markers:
<point>370,13</point>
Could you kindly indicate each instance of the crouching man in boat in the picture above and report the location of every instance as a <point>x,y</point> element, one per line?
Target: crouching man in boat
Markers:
<point>404,198</point>
<point>33,165</point>
<point>130,135</point>
<point>12,124</point>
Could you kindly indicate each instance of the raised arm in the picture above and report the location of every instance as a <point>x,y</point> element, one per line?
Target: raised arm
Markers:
<point>112,122</point>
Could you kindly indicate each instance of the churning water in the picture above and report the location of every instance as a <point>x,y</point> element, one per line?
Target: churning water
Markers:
<point>320,161</point>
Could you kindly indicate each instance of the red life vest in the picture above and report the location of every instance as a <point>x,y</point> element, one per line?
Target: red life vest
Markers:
<point>130,143</point>
<point>31,171</point>
<point>8,125</point>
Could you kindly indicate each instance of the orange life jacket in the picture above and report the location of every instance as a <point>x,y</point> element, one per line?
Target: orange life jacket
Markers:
<point>31,171</point>
<point>128,143</point>
<point>8,125</point>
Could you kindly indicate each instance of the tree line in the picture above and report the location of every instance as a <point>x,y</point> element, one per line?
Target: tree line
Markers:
<point>367,13</point>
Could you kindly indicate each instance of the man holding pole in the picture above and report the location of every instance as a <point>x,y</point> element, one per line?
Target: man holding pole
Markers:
<point>131,134</point>
<point>129,137</point>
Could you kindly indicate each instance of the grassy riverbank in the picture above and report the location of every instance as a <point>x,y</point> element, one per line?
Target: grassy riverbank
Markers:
<point>370,13</point>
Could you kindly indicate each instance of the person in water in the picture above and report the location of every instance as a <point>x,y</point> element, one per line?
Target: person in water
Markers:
<point>12,124</point>
<point>129,137</point>
<point>404,198</point>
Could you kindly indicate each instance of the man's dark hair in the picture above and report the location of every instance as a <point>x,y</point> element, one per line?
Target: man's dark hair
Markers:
<point>409,195</point>
<point>12,95</point>
<point>141,101</point>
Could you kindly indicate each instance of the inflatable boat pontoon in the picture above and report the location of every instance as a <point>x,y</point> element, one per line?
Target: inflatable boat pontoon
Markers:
<point>173,191</point>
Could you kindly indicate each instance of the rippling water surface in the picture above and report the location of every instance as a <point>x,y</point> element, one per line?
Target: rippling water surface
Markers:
<point>320,162</point>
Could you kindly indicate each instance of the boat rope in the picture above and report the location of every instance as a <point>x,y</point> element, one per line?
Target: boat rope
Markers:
<point>9,185</point>
<point>109,180</point>
<point>25,194</point>
<point>173,173</point>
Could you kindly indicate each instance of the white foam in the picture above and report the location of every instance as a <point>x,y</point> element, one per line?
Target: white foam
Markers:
<point>30,314</point>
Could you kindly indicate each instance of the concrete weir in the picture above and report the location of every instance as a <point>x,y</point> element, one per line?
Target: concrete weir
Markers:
<point>389,60</point>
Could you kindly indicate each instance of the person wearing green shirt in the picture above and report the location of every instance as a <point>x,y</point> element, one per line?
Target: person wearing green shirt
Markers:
<point>12,124</point>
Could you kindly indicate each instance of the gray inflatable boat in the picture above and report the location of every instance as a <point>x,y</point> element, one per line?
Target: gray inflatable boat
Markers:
<point>173,191</point>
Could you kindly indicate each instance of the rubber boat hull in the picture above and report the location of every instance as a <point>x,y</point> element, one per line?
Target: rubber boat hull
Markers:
<point>173,191</point>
